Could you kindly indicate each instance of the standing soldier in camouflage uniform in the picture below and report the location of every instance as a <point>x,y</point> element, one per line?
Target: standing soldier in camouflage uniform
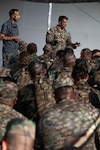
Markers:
<point>58,36</point>
<point>8,97</point>
<point>68,123</point>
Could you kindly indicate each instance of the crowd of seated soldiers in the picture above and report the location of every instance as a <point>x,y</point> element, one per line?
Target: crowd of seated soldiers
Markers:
<point>44,81</point>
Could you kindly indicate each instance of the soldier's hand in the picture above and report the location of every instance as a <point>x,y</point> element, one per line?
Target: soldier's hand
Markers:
<point>77,44</point>
<point>16,38</point>
<point>59,40</point>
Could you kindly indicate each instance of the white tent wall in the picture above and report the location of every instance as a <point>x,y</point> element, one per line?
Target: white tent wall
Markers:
<point>84,22</point>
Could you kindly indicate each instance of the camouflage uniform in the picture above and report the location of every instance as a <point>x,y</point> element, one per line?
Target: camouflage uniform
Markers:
<point>8,92</point>
<point>66,73</point>
<point>56,65</point>
<point>15,57</point>
<point>23,77</point>
<point>55,33</point>
<point>46,59</point>
<point>87,94</point>
<point>26,103</point>
<point>4,73</point>
<point>91,65</point>
<point>20,74</point>
<point>34,58</point>
<point>44,94</point>
<point>97,79</point>
<point>66,123</point>
<point>6,114</point>
<point>16,67</point>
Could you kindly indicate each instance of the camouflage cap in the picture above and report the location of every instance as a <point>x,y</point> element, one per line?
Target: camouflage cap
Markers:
<point>8,91</point>
<point>61,81</point>
<point>22,44</point>
<point>4,72</point>
<point>21,128</point>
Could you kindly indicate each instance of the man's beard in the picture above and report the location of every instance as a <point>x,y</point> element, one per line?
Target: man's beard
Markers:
<point>15,20</point>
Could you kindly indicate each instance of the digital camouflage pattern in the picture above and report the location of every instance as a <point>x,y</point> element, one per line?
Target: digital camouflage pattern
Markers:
<point>8,91</point>
<point>4,72</point>
<point>44,95</point>
<point>97,79</point>
<point>66,122</point>
<point>6,114</point>
<point>55,33</point>
<point>25,128</point>
<point>46,59</point>
<point>22,46</point>
<point>87,94</point>
<point>23,78</point>
<point>26,103</point>
<point>91,65</point>
<point>64,77</point>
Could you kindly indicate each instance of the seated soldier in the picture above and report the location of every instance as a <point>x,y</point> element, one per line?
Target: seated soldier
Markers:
<point>15,58</point>
<point>43,86</point>
<point>69,61</point>
<point>32,49</point>
<point>68,124</point>
<point>35,98</point>
<point>86,93</point>
<point>86,54</point>
<point>58,63</point>
<point>8,98</point>
<point>47,56</point>
<point>19,71</point>
<point>19,135</point>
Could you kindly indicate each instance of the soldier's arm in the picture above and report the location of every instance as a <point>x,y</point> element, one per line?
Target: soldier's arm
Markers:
<point>69,42</point>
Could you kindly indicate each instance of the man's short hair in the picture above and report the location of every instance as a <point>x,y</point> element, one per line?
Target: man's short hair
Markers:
<point>62,17</point>
<point>12,11</point>
<point>36,68</point>
<point>24,56</point>
<point>79,73</point>
<point>62,92</point>
<point>69,58</point>
<point>20,132</point>
<point>32,48</point>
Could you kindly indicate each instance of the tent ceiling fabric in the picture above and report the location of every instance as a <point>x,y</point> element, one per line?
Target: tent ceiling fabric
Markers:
<point>62,1</point>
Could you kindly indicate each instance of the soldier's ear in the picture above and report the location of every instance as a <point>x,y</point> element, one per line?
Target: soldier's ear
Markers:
<point>4,145</point>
